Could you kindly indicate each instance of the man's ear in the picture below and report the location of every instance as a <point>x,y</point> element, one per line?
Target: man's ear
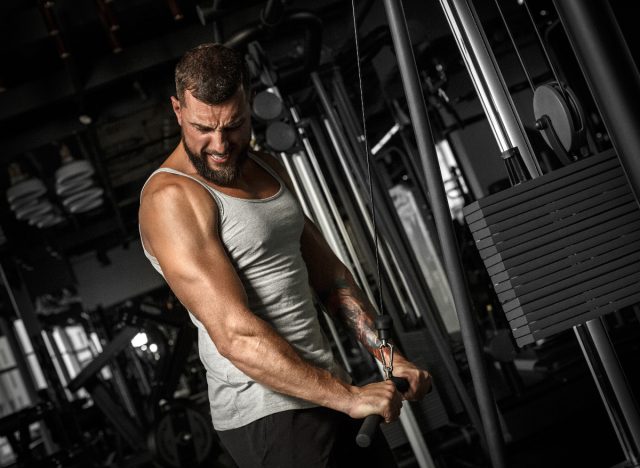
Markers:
<point>177,109</point>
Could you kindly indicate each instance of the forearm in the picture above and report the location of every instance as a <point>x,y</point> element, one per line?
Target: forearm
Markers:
<point>260,352</point>
<point>348,303</point>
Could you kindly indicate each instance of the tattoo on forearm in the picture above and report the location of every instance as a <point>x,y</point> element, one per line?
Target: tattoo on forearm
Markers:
<point>347,302</point>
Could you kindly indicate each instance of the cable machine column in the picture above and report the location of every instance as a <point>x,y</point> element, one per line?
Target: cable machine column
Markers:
<point>440,206</point>
<point>487,79</point>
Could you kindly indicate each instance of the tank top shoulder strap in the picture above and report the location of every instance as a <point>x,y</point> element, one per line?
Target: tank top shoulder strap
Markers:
<point>267,168</point>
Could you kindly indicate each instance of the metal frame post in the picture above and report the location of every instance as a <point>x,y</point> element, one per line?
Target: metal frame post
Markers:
<point>614,82</point>
<point>487,79</point>
<point>453,265</point>
<point>612,386</point>
<point>611,74</point>
<point>413,288</point>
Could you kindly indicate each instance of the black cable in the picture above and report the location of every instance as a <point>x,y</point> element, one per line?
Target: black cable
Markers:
<point>544,50</point>
<point>515,46</point>
<point>366,150</point>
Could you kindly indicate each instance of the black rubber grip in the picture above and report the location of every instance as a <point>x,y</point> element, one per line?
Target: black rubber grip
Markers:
<point>371,422</point>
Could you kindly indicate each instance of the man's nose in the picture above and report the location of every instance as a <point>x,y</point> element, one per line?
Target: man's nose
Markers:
<point>219,143</point>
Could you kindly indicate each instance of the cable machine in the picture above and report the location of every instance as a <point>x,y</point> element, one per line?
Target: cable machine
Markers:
<point>542,247</point>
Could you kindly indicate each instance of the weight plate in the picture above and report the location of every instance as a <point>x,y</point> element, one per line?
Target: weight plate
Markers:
<point>574,257</point>
<point>24,191</point>
<point>280,136</point>
<point>567,198</point>
<point>85,206</point>
<point>72,186</point>
<point>81,198</point>
<point>550,252</point>
<point>49,220</point>
<point>181,437</point>
<point>34,210</point>
<point>555,220</point>
<point>267,106</point>
<point>587,168</point>
<point>73,170</point>
<point>23,203</point>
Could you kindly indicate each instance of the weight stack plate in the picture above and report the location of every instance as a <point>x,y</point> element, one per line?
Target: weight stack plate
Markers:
<point>561,249</point>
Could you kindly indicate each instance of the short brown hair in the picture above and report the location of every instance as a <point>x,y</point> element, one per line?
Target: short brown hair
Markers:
<point>212,73</point>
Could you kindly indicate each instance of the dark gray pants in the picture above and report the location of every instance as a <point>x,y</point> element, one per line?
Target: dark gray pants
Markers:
<point>309,438</point>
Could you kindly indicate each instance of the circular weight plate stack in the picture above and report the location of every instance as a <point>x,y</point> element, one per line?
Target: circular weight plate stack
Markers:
<point>25,193</point>
<point>182,436</point>
<point>74,170</point>
<point>280,136</point>
<point>267,106</point>
<point>27,200</point>
<point>76,187</point>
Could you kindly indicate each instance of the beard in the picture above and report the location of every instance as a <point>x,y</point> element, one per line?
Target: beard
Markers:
<point>225,176</point>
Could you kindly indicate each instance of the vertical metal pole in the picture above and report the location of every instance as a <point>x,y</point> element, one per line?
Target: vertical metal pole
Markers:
<point>21,362</point>
<point>614,81</point>
<point>617,379</point>
<point>351,260</point>
<point>318,205</point>
<point>487,79</point>
<point>611,386</point>
<point>611,74</point>
<point>412,286</point>
<point>345,200</point>
<point>359,246</point>
<point>55,391</point>
<point>420,122</point>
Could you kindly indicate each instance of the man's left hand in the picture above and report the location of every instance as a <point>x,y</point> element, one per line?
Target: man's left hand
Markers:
<point>419,379</point>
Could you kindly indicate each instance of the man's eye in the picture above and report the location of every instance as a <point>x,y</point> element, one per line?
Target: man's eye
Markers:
<point>233,126</point>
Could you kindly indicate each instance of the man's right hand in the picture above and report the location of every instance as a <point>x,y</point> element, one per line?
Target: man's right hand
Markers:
<point>377,398</point>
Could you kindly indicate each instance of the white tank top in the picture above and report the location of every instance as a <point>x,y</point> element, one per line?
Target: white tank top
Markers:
<point>262,239</point>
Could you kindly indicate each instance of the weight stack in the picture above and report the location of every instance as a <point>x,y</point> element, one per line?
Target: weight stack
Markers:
<point>561,249</point>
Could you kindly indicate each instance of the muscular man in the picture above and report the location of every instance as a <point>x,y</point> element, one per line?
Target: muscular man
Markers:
<point>222,225</point>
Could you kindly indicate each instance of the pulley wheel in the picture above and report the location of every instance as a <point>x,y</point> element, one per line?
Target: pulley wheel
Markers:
<point>267,106</point>
<point>280,136</point>
<point>550,101</point>
<point>181,437</point>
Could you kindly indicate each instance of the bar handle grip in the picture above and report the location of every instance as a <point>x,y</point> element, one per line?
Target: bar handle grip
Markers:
<point>371,422</point>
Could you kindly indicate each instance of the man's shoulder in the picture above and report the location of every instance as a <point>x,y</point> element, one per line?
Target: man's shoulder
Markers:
<point>166,187</point>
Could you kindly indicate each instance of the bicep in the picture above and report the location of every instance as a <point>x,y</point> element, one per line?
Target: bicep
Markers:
<point>182,232</point>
